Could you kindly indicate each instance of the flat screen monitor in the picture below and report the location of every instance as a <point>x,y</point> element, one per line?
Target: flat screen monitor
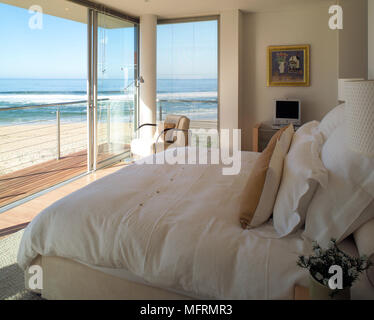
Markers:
<point>287,111</point>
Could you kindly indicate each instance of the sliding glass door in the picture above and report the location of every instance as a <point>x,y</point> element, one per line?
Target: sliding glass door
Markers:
<point>116,87</point>
<point>42,96</point>
<point>112,88</point>
<point>68,96</point>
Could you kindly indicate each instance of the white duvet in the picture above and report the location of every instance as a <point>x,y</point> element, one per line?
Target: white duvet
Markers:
<point>175,226</point>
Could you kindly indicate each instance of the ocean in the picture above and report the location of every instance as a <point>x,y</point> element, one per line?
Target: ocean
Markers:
<point>199,99</point>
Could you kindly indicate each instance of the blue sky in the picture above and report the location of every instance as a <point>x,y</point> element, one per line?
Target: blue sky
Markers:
<point>187,50</point>
<point>58,50</point>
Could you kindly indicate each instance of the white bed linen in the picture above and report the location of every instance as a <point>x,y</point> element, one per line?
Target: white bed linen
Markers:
<point>176,227</point>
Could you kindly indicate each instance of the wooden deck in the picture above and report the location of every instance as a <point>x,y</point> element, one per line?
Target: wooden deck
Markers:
<point>26,182</point>
<point>19,217</point>
<point>22,183</point>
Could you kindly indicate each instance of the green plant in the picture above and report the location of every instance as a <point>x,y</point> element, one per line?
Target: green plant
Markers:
<point>320,263</point>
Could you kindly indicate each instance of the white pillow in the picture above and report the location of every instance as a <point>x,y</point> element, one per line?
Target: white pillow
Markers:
<point>331,121</point>
<point>308,129</point>
<point>347,201</point>
<point>303,170</point>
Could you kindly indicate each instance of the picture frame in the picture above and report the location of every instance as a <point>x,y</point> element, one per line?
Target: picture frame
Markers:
<point>288,65</point>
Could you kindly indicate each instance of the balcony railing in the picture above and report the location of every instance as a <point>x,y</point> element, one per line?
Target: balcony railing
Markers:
<point>198,111</point>
<point>203,114</point>
<point>45,132</point>
<point>41,133</point>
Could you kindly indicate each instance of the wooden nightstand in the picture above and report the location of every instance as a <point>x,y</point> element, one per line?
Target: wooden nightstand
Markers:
<point>261,135</point>
<point>301,293</point>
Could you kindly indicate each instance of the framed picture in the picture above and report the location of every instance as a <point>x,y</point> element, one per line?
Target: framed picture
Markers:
<point>288,66</point>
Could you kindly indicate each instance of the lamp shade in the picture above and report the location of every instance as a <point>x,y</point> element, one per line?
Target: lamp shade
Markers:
<point>341,88</point>
<point>359,114</point>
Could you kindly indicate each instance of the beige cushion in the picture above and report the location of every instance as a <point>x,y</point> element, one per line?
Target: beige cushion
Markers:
<point>182,136</point>
<point>179,138</point>
<point>261,190</point>
<point>168,135</point>
<point>143,147</point>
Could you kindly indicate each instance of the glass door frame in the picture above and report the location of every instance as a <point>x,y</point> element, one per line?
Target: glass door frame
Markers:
<point>92,84</point>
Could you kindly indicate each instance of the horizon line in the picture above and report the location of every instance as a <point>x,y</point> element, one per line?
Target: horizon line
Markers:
<point>1,78</point>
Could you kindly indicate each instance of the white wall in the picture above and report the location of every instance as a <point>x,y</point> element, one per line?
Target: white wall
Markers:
<point>371,39</point>
<point>229,69</point>
<point>353,40</point>
<point>244,37</point>
<point>148,41</point>
<point>300,27</point>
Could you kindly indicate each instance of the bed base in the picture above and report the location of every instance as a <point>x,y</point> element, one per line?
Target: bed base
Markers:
<point>65,279</point>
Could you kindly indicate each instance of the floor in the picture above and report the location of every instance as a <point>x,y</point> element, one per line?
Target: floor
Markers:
<point>18,217</point>
<point>25,182</point>
<point>12,277</point>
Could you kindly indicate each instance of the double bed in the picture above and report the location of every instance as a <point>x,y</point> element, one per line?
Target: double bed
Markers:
<point>167,226</point>
<point>165,232</point>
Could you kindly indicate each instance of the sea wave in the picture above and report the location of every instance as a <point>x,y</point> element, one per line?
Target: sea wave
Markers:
<point>123,103</point>
<point>20,99</point>
<point>41,92</point>
<point>186,95</point>
<point>9,100</point>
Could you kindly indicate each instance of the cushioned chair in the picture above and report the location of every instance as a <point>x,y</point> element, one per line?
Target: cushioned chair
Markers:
<point>173,132</point>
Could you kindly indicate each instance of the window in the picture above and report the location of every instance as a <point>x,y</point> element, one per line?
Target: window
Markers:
<point>51,73</point>
<point>44,71</point>
<point>187,68</point>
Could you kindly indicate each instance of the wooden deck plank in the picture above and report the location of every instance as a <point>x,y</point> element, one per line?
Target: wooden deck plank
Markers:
<point>46,174</point>
<point>36,171</point>
<point>42,179</point>
<point>11,220</point>
<point>26,182</point>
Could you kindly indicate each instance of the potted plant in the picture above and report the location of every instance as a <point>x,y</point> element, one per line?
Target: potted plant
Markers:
<point>326,266</point>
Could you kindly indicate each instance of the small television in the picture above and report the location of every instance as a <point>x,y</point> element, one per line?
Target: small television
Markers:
<point>286,112</point>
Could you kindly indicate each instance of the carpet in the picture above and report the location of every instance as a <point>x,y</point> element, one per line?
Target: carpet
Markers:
<point>12,281</point>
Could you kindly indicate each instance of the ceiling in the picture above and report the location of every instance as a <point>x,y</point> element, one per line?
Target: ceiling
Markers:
<point>67,10</point>
<point>165,9</point>
<point>57,8</point>
<point>189,8</point>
